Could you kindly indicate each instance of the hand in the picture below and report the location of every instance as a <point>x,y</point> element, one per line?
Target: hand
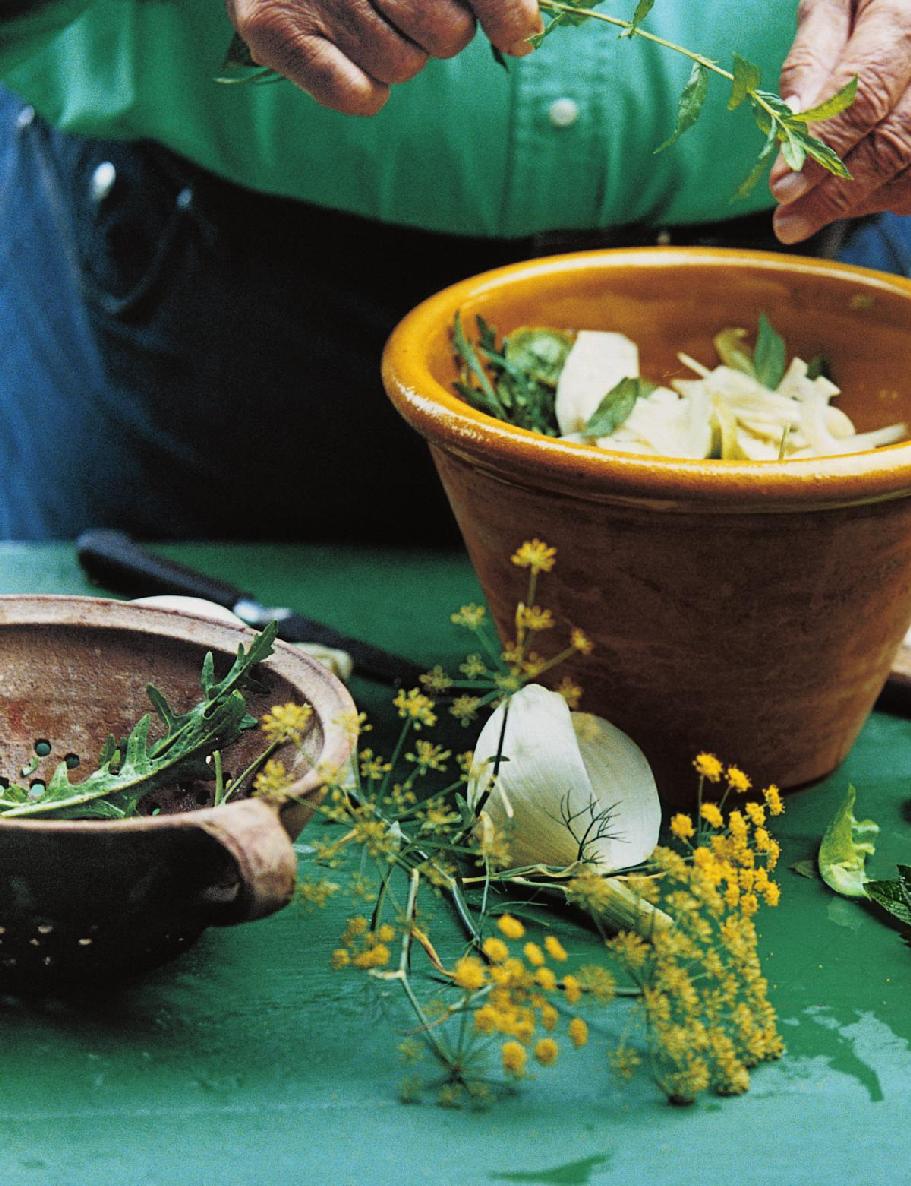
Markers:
<point>837,39</point>
<point>347,53</point>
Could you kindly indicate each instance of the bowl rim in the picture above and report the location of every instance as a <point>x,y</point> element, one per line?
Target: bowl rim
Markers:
<point>328,695</point>
<point>447,422</point>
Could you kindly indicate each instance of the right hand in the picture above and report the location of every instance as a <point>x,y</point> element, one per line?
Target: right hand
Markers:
<point>347,53</point>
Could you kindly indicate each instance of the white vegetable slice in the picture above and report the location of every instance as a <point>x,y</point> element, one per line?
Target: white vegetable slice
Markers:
<point>595,364</point>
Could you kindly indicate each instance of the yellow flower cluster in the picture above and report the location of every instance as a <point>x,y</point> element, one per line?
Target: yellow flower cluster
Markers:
<point>534,554</point>
<point>287,722</point>
<point>414,707</point>
<point>511,995</point>
<point>272,782</point>
<point>359,947</point>
<point>704,998</point>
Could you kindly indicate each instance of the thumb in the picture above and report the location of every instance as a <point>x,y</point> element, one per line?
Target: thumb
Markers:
<point>823,30</point>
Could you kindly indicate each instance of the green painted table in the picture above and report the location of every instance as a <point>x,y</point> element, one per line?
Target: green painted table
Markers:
<point>248,1061</point>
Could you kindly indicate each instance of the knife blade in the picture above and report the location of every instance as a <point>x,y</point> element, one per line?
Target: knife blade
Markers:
<point>117,562</point>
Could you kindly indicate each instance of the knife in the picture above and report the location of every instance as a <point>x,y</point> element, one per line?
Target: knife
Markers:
<point>117,562</point>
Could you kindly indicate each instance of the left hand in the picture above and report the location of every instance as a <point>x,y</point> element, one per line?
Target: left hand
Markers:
<point>837,39</point>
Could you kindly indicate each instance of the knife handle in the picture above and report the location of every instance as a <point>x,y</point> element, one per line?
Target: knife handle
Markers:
<point>118,563</point>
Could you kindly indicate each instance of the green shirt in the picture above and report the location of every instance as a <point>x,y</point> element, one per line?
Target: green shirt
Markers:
<point>464,147</point>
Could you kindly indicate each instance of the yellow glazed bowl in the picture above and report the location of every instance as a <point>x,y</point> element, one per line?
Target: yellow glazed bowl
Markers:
<point>746,608</point>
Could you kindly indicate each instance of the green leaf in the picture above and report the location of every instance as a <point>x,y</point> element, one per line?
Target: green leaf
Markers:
<point>845,846</point>
<point>792,148</point>
<point>819,366</point>
<point>746,79</point>
<point>751,180</point>
<point>690,104</point>
<point>769,356</point>
<point>830,107</point>
<point>471,366</point>
<point>239,66</point>
<point>616,406</point>
<point>893,896</point>
<point>806,869</point>
<point>643,8</point>
<point>141,764</point>
<point>729,346</point>
<point>540,353</point>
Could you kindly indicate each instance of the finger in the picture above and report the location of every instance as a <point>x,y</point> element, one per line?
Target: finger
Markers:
<point>875,164</point>
<point>315,65</point>
<point>366,38</point>
<point>442,29</point>
<point>509,23</point>
<point>823,29</point>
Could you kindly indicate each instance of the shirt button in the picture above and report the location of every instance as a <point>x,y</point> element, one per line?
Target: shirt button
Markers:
<point>102,182</point>
<point>25,118</point>
<point>563,113</point>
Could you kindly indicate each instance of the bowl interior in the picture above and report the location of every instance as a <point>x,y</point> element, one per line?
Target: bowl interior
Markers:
<point>74,670</point>
<point>671,300</point>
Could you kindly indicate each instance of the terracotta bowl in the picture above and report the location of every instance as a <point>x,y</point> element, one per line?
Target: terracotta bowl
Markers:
<point>750,609</point>
<point>93,900</point>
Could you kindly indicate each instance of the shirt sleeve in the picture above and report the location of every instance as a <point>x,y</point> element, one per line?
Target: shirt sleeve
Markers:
<point>23,36</point>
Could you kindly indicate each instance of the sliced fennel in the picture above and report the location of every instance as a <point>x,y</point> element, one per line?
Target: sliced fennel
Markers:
<point>724,412</point>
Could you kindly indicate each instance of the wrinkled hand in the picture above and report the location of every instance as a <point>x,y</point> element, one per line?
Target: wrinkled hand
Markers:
<point>836,40</point>
<point>347,53</point>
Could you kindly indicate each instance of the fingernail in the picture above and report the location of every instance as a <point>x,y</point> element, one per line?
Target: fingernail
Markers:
<point>793,102</point>
<point>790,227</point>
<point>520,48</point>
<point>790,187</point>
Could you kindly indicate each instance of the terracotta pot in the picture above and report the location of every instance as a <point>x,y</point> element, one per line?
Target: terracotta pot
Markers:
<point>750,609</point>
<point>90,900</point>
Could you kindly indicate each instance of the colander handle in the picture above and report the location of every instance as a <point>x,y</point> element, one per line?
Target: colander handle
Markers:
<point>252,832</point>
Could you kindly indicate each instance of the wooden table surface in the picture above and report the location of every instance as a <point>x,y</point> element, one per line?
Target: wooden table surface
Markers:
<point>249,1061</point>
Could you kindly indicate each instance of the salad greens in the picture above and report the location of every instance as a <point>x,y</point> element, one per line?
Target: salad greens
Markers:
<point>131,768</point>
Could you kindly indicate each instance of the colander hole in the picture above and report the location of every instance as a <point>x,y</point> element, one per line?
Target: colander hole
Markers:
<point>42,747</point>
<point>84,942</point>
<point>46,929</point>
<point>4,784</point>
<point>36,788</point>
<point>72,761</point>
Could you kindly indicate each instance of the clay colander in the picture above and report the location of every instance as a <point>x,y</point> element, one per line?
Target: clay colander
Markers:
<point>93,900</point>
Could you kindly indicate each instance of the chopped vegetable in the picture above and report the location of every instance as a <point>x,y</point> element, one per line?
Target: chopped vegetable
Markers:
<point>754,406</point>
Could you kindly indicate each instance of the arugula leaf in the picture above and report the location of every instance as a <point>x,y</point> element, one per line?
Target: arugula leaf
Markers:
<point>746,79</point>
<point>140,764</point>
<point>845,846</point>
<point>769,355</point>
<point>894,896</point>
<point>471,366</point>
<point>616,407</point>
<point>690,104</point>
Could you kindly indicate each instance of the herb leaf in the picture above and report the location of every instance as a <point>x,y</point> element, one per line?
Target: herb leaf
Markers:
<point>769,355</point>
<point>752,179</point>
<point>845,846</point>
<point>830,107</point>
<point>690,104</point>
<point>616,407</point>
<point>643,8</point>
<point>746,79</point>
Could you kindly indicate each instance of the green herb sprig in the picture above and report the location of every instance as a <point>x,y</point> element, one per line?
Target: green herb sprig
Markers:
<point>515,381</point>
<point>777,122</point>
